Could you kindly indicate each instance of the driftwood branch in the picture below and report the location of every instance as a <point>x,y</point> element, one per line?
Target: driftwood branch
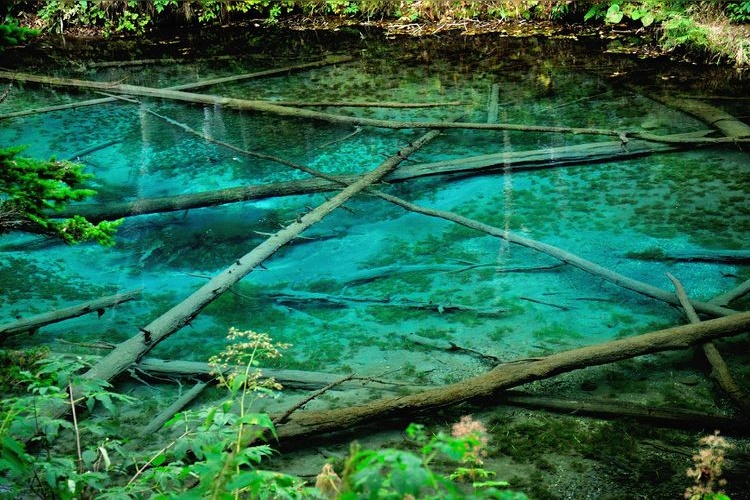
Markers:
<point>98,306</point>
<point>510,375</point>
<point>719,369</point>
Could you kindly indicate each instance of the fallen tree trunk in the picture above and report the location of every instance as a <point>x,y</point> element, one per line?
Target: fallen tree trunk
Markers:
<point>719,370</point>
<point>133,349</point>
<point>517,161</point>
<point>98,306</point>
<point>659,415</point>
<point>291,112</point>
<point>510,375</point>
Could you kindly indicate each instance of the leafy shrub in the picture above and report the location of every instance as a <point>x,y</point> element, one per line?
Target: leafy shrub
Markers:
<point>738,12</point>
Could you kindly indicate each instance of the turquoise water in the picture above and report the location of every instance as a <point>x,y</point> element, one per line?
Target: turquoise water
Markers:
<point>687,201</point>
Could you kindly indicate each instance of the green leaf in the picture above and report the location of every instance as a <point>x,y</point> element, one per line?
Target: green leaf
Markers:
<point>156,462</point>
<point>614,14</point>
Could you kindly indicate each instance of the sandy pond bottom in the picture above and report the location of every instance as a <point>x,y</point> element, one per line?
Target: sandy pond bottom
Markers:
<point>348,294</point>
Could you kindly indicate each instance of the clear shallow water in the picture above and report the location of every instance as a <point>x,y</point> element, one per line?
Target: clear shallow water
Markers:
<point>679,201</point>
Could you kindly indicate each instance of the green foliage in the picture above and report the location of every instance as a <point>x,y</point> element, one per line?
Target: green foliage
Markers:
<point>31,189</point>
<point>12,34</point>
<point>645,12</point>
<point>28,433</point>
<point>395,474</point>
<point>738,12</point>
<point>680,30</point>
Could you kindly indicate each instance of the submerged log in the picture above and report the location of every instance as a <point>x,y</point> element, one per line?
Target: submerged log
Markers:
<point>615,409</point>
<point>290,379</point>
<point>133,349</point>
<point>195,85</point>
<point>563,156</point>
<point>517,161</point>
<point>730,295</point>
<point>719,369</point>
<point>60,107</point>
<point>447,345</point>
<point>509,375</point>
<point>716,117</point>
<point>558,253</point>
<point>292,112</point>
<point>170,410</point>
<point>717,256</point>
<point>34,323</point>
<point>366,104</point>
<point>293,297</point>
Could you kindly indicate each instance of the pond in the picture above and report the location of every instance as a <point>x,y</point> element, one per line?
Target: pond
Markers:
<point>371,287</point>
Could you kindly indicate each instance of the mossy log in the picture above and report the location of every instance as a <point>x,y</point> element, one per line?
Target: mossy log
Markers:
<point>302,113</point>
<point>34,323</point>
<point>719,370</point>
<point>509,375</point>
<point>133,349</point>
